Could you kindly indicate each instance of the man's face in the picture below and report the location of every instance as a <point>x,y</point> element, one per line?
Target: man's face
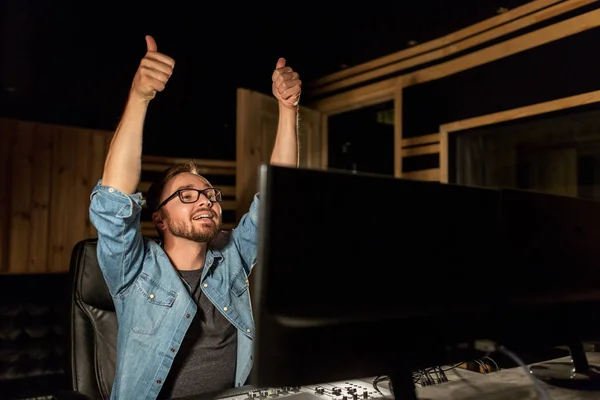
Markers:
<point>198,221</point>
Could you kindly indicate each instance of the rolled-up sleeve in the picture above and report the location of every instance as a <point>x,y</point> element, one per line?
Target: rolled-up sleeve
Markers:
<point>245,235</point>
<point>116,217</point>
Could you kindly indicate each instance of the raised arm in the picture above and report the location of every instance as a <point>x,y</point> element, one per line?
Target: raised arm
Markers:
<point>287,87</point>
<point>123,164</point>
<point>115,208</point>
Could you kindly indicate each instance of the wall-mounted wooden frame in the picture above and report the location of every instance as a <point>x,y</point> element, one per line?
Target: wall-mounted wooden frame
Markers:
<point>446,130</point>
<point>388,89</point>
<point>462,40</point>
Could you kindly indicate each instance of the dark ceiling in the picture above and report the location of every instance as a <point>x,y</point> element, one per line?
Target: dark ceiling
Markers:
<point>72,62</point>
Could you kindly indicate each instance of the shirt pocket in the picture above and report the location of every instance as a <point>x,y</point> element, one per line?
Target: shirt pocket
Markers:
<point>239,284</point>
<point>151,304</point>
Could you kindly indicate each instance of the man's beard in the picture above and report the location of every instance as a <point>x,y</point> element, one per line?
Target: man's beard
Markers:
<point>193,232</point>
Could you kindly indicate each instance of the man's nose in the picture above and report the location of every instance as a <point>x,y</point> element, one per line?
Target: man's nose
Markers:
<point>203,200</point>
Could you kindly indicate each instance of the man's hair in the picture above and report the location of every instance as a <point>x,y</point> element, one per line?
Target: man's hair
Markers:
<point>155,191</point>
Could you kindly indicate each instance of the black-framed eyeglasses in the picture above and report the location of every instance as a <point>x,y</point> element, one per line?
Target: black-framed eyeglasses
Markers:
<point>189,195</point>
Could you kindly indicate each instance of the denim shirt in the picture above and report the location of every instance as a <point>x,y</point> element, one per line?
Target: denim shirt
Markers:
<point>153,305</point>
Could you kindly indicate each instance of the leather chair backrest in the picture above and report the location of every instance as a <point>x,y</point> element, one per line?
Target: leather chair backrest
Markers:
<point>93,330</point>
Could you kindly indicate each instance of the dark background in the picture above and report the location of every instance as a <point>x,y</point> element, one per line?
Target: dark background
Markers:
<point>72,62</point>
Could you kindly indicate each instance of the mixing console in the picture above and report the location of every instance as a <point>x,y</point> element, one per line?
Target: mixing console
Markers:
<point>344,390</point>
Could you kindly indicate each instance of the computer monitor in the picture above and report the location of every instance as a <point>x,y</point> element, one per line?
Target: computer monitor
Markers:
<point>363,275</point>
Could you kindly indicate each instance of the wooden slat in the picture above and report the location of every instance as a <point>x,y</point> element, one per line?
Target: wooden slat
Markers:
<point>41,195</point>
<point>21,199</point>
<point>455,48</point>
<point>421,150</point>
<point>504,49</point>
<point>372,93</point>
<point>432,174</point>
<point>63,197</point>
<point>447,40</point>
<point>421,140</point>
<point>358,98</point>
<point>398,98</point>
<point>526,111</point>
<point>7,137</point>
<point>82,186</point>
<point>444,156</point>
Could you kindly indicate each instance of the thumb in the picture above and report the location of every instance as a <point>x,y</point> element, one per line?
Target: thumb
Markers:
<point>151,44</point>
<point>280,63</point>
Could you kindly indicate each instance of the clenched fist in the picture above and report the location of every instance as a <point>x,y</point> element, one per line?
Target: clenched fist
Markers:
<point>287,85</point>
<point>153,73</point>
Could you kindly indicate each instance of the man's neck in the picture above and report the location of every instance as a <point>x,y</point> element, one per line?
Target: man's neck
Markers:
<point>184,254</point>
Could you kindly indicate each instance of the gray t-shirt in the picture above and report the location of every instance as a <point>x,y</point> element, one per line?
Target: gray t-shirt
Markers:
<point>206,361</point>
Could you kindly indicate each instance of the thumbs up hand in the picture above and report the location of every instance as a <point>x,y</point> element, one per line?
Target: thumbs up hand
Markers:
<point>153,73</point>
<point>287,85</point>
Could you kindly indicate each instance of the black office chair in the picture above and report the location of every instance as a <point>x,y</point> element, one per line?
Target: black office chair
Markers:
<point>93,331</point>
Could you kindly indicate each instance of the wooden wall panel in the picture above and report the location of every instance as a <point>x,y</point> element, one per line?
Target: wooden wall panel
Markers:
<point>21,154</point>
<point>257,116</point>
<point>47,173</point>
<point>40,157</point>
<point>7,136</point>
<point>78,160</point>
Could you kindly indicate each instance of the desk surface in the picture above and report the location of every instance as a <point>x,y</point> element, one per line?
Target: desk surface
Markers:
<point>507,384</point>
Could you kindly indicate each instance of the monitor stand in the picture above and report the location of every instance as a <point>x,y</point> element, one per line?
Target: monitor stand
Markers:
<point>577,374</point>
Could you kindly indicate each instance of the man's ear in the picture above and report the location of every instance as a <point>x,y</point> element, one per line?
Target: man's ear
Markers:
<point>158,221</point>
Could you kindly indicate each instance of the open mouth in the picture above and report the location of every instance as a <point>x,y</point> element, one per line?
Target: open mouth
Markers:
<point>203,217</point>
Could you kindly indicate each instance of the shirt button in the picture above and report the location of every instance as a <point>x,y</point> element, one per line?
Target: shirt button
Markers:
<point>172,350</point>
<point>151,295</point>
<point>158,381</point>
<point>187,315</point>
<point>225,308</point>
<point>248,330</point>
<point>206,285</point>
<point>111,190</point>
